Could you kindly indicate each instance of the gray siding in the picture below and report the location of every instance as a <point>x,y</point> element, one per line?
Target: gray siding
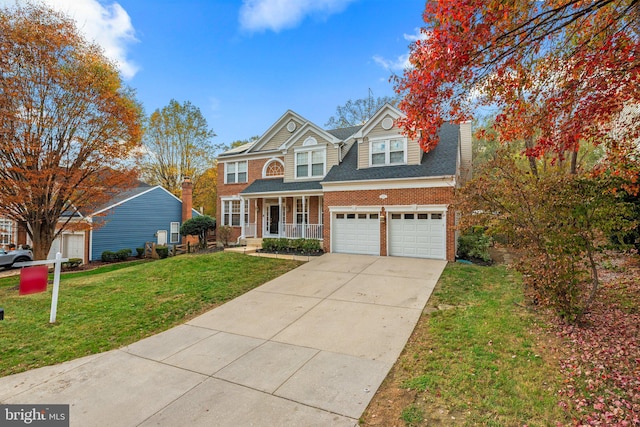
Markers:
<point>289,158</point>
<point>281,136</point>
<point>414,152</point>
<point>135,222</point>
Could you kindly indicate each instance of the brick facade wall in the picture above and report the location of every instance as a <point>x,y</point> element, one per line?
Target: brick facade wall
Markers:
<point>408,196</point>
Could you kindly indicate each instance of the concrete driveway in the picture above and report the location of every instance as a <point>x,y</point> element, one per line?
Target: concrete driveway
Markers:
<point>308,348</point>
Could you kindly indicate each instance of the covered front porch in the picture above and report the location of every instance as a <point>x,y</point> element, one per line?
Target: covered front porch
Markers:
<point>294,214</point>
<point>293,217</point>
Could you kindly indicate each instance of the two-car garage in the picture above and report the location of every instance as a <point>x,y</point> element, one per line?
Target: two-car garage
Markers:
<point>418,234</point>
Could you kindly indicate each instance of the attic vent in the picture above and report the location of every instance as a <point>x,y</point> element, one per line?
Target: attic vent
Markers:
<point>309,141</point>
<point>291,126</point>
<point>387,123</point>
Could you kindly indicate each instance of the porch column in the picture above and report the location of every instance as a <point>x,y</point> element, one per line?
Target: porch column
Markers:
<point>280,222</point>
<point>242,236</point>
<point>304,217</point>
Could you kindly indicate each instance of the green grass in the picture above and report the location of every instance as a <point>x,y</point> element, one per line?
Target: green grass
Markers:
<point>483,360</point>
<point>119,304</point>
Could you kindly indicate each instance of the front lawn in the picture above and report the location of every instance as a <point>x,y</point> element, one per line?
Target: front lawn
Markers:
<point>119,304</point>
<point>476,357</point>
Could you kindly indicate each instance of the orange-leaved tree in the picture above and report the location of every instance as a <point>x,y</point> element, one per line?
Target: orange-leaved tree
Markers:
<point>559,72</point>
<point>68,125</point>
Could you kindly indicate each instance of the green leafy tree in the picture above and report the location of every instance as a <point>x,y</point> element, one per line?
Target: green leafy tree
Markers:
<point>198,226</point>
<point>177,144</point>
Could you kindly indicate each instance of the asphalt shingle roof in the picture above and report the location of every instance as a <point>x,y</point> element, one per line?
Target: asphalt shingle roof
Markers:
<point>441,161</point>
<point>278,184</point>
<point>344,133</point>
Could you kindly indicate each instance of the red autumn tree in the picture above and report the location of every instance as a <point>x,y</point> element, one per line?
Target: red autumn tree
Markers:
<point>559,72</point>
<point>67,124</point>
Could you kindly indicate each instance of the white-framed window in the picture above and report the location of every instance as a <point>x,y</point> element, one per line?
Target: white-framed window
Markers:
<point>235,172</point>
<point>310,163</point>
<point>174,236</point>
<point>391,151</point>
<point>302,215</point>
<point>6,231</point>
<point>231,212</point>
<point>273,168</point>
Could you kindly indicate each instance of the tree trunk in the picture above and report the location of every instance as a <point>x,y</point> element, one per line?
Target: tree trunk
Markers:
<point>574,162</point>
<point>528,143</point>
<point>42,236</point>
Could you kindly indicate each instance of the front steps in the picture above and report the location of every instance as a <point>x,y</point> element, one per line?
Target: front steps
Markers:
<point>249,245</point>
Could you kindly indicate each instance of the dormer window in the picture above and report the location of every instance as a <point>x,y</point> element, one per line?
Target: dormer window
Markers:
<point>391,151</point>
<point>310,163</point>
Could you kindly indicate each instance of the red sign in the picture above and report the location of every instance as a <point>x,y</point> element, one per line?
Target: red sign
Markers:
<point>33,279</point>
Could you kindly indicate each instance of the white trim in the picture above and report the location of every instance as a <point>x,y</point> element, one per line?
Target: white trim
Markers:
<point>354,208</point>
<point>309,126</point>
<point>390,184</point>
<point>266,165</point>
<point>387,151</point>
<point>275,128</point>
<point>417,208</point>
<point>310,150</point>
<point>171,232</point>
<point>248,156</point>
<point>287,193</point>
<point>236,172</point>
<point>386,109</point>
<point>222,211</point>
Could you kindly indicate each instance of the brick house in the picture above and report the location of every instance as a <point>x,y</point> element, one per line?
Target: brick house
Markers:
<point>364,189</point>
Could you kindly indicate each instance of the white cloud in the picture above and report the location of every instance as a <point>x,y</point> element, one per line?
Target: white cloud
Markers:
<point>417,35</point>
<point>276,15</point>
<point>394,65</point>
<point>108,25</point>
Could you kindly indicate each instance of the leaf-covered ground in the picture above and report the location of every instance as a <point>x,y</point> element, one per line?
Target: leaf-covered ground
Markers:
<point>602,369</point>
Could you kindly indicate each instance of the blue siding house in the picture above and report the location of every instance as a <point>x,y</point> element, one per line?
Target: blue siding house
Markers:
<point>142,214</point>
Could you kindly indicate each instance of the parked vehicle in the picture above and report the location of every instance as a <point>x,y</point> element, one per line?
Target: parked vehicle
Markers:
<point>7,259</point>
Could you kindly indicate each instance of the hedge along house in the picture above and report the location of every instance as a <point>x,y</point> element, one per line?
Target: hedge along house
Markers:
<point>364,190</point>
<point>141,214</point>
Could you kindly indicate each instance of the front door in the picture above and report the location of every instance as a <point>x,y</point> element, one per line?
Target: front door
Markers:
<point>274,219</point>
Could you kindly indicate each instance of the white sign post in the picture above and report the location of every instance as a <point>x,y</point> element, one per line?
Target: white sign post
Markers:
<point>56,279</point>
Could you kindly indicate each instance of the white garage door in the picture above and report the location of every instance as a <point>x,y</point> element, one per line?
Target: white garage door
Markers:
<point>356,233</point>
<point>419,235</point>
<point>73,246</point>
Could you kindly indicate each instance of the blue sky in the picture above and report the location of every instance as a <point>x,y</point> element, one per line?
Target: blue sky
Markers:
<point>245,62</point>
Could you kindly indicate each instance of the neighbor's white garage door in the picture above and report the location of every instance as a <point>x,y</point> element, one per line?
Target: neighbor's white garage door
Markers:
<point>419,235</point>
<point>356,233</point>
<point>73,246</point>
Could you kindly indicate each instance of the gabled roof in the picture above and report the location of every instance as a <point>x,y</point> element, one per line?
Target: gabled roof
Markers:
<point>279,124</point>
<point>306,127</point>
<point>379,115</point>
<point>441,161</point>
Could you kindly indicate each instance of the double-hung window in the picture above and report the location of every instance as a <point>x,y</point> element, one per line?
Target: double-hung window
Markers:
<point>302,215</point>
<point>6,231</point>
<point>175,232</point>
<point>235,172</point>
<point>388,151</point>
<point>231,212</point>
<point>310,163</point>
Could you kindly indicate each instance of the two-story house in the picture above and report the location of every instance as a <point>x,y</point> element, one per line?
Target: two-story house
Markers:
<point>364,189</point>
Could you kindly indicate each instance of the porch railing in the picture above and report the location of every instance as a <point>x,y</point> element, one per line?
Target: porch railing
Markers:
<point>250,230</point>
<point>295,231</point>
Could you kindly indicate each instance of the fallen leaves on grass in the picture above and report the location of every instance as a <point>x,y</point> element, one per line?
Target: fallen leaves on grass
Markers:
<point>602,370</point>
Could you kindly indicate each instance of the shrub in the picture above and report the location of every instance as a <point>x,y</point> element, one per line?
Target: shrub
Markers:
<point>474,245</point>
<point>162,251</point>
<point>72,263</point>
<point>109,256</point>
<point>198,226</point>
<point>140,252</point>
<point>293,245</point>
<point>123,254</point>
<point>224,233</point>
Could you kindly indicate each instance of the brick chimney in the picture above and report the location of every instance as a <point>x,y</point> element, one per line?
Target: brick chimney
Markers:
<point>187,202</point>
<point>187,205</point>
